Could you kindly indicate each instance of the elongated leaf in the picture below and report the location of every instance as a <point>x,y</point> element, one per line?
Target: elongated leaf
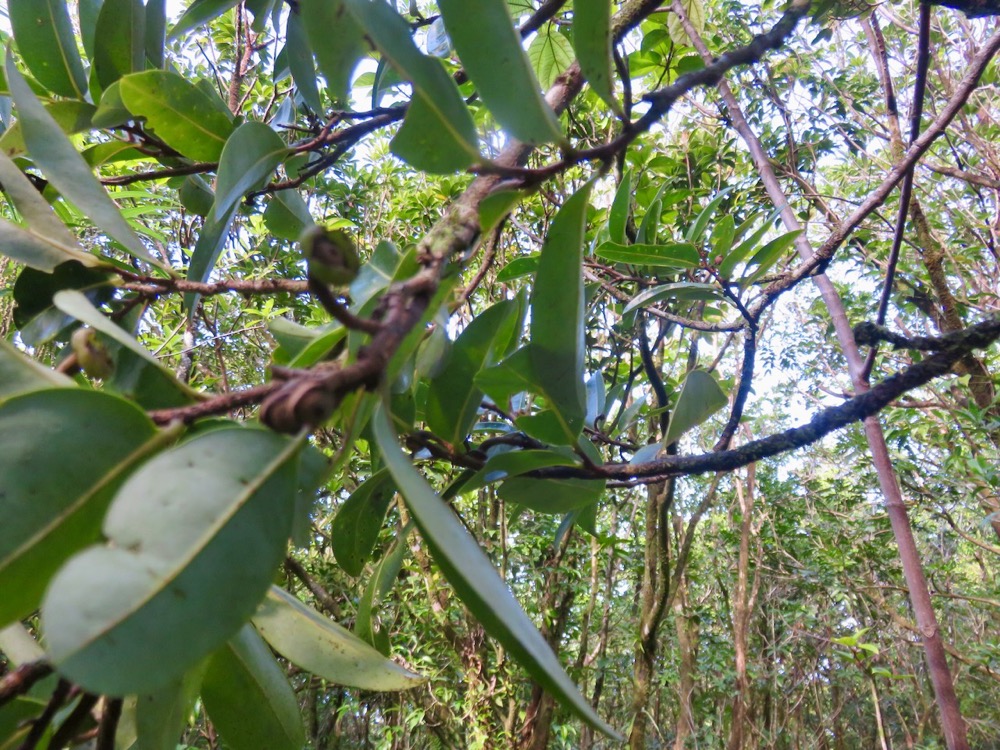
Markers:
<point>768,255</point>
<point>621,207</point>
<point>697,230</point>
<point>453,399</point>
<point>248,697</point>
<point>592,43</point>
<point>510,464</point>
<point>206,253</point>
<point>21,374</point>
<point>551,495</point>
<point>49,515</point>
<point>177,582</point>
<point>162,714</point>
<point>677,290</point>
<point>475,581</point>
<point>557,315</point>
<point>199,12</point>
<point>44,227</point>
<point>156,28</point>
<point>75,303</point>
<point>438,134</point>
<point>307,639</point>
<point>300,62</point>
<point>66,169</point>
<point>45,39</point>
<point>121,35</point>
<point>71,117</point>
<point>180,113</point>
<point>251,154</point>
<point>680,255</point>
<point>490,49</point>
<point>337,41</point>
<point>355,528</point>
<point>700,398</point>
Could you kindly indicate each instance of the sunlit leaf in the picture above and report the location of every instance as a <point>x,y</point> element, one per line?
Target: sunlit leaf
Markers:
<point>679,255</point>
<point>356,526</point>
<point>551,54</point>
<point>307,639</point>
<point>337,41</point>
<point>180,113</point>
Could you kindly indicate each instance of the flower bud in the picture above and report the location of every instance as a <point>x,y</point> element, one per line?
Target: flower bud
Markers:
<point>92,356</point>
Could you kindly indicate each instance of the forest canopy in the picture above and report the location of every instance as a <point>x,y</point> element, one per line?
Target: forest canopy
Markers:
<point>499,374</point>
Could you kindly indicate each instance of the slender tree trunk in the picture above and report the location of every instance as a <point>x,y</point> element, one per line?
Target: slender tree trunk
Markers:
<point>743,603</point>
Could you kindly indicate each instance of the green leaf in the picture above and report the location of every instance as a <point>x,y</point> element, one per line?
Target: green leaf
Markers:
<point>310,641</point>
<point>206,253</point>
<point>490,49</point>
<point>518,267</point>
<point>677,255</point>
<point>44,241</point>
<point>300,62</point>
<point>287,215</point>
<point>557,315</point>
<point>45,40</point>
<point>496,206</point>
<point>650,223</point>
<point>180,113</point>
<point>337,41</point>
<point>250,156</point>
<point>71,117</point>
<point>177,581</point>
<point>621,207</point>
<point>355,528</point>
<point>768,255</point>
<point>677,290</point>
<point>469,571</point>
<point>696,231</point>
<point>700,398</point>
<point>196,196</point>
<point>747,246</point>
<point>551,495</point>
<point>95,439</point>
<point>162,714</point>
<point>511,463</point>
<point>75,303</point>
<point>121,40</point>
<point>156,27</point>
<point>592,43</point>
<point>111,110</point>
<point>66,169</point>
<point>723,235</point>
<point>248,698</point>
<point>550,54</point>
<point>695,12</point>
<point>87,12</point>
<point>21,374</point>
<point>200,12</point>
<point>453,399</point>
<point>438,134</point>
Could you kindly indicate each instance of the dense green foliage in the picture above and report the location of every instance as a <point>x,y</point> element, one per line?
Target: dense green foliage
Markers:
<point>413,377</point>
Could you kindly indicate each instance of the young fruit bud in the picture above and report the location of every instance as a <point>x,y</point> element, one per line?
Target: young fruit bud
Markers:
<point>332,254</point>
<point>92,356</point>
